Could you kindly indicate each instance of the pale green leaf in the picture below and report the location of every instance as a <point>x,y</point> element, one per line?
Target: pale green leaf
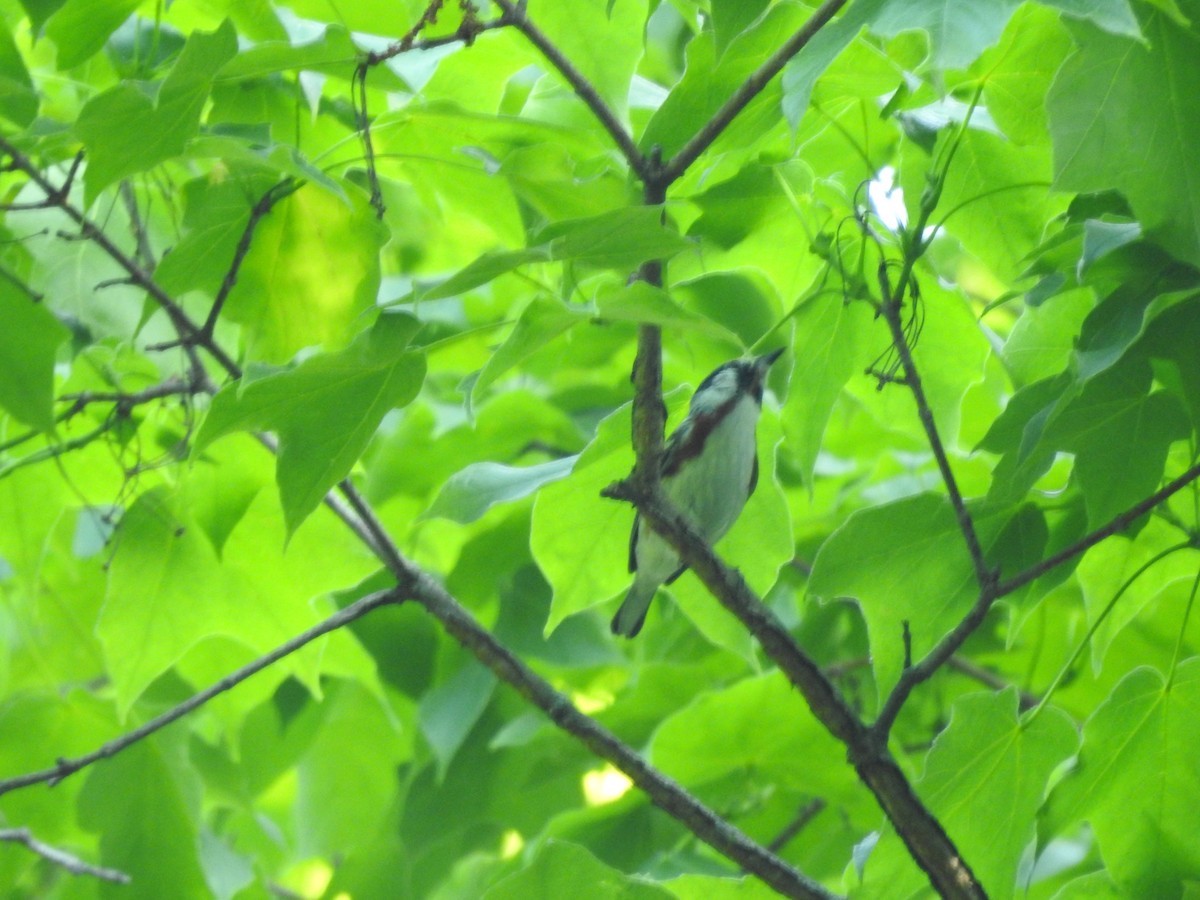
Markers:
<point>311,274</point>
<point>474,490</point>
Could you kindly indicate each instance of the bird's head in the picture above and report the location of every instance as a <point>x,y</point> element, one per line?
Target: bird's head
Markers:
<point>739,377</point>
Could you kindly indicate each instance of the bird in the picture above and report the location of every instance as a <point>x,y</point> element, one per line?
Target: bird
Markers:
<point>708,471</point>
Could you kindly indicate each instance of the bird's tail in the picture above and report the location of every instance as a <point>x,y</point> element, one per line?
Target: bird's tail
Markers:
<point>629,618</point>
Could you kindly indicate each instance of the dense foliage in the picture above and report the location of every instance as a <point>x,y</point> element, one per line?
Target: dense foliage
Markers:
<point>258,362</point>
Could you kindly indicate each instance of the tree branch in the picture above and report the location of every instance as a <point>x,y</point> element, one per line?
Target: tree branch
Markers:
<point>912,378</point>
<point>750,88</point>
<point>663,792</point>
<point>921,832</point>
<point>61,858</point>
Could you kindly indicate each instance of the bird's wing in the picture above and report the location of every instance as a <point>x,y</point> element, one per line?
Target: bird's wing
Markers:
<point>753,476</point>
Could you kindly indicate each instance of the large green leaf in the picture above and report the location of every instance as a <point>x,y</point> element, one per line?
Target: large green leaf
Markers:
<point>608,65</point>
<point>1136,784</point>
<point>831,346</point>
<point>1099,100</point>
<point>143,806</point>
<point>127,130</point>
<point>907,565</point>
<point>1120,436</point>
<point>79,28</point>
<point>324,410</point>
<point>959,32</point>
<point>985,779</point>
<point>1110,566</point>
<point>18,100</point>
<point>562,869</point>
<point>311,274</point>
<point>474,490</point>
<point>690,749</point>
<point>29,339</point>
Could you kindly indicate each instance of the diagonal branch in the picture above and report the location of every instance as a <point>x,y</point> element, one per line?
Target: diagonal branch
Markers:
<point>61,858</point>
<point>1118,524</point>
<point>912,377</point>
<point>57,199</point>
<point>920,830</point>
<point>65,767</point>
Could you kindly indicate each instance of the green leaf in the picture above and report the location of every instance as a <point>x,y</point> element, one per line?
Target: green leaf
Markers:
<point>142,803</point>
<point>1043,338</point>
<point>645,304</point>
<point>707,82</point>
<point>474,490</point>
<point>1099,99</point>
<point>488,267</point>
<point>584,573</point>
<point>621,239</point>
<point>1136,784</point>
<point>328,54</point>
<point>987,766</point>
<point>1120,436</point>
<point>18,98</point>
<point>904,561</point>
<point>730,18</point>
<point>127,130</point>
<point>690,749</point>
<point>541,322</point>
<point>995,199</point>
<point>79,28</point>
<point>1018,71</point>
<point>561,869</point>
<point>1107,568</point>
<point>325,410</point>
<point>29,340</point>
<point>311,274</point>
<point>450,710</point>
<point>802,71</point>
<point>831,346</point>
<point>346,784</point>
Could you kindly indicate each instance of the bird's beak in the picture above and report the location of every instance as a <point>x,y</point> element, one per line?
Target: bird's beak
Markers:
<point>764,362</point>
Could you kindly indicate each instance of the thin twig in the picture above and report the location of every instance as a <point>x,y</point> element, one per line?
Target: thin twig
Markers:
<point>126,401</point>
<point>806,814</point>
<point>61,858</point>
<point>66,767</point>
<point>275,194</point>
<point>891,314</point>
<point>145,253</point>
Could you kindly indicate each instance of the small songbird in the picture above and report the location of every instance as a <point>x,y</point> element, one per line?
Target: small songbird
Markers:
<point>709,470</point>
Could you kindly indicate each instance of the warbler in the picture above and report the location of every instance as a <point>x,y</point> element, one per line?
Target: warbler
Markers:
<point>709,470</point>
